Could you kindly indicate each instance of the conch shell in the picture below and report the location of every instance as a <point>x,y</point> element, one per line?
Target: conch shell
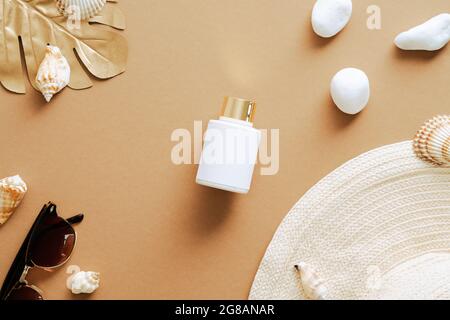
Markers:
<point>85,282</point>
<point>80,9</point>
<point>53,74</point>
<point>12,191</point>
<point>432,142</point>
<point>313,286</point>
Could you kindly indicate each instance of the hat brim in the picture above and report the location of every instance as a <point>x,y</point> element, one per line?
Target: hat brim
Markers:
<point>375,212</point>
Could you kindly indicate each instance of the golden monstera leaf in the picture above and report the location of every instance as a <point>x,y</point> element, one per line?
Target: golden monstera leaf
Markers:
<point>36,23</point>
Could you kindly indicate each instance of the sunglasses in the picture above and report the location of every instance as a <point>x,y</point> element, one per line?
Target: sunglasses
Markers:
<point>48,245</point>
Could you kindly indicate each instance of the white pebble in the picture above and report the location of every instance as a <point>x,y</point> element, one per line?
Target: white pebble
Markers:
<point>350,90</point>
<point>329,17</point>
<point>431,35</point>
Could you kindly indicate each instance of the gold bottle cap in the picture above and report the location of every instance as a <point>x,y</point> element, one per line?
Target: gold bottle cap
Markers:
<point>240,109</point>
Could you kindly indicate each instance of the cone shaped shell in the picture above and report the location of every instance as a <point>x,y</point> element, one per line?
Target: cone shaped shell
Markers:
<point>313,286</point>
<point>12,191</point>
<point>53,74</point>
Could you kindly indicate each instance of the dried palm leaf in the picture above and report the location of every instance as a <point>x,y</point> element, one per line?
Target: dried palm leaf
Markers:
<point>36,23</point>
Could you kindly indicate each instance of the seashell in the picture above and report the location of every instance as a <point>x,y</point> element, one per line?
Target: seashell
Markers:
<point>313,286</point>
<point>85,282</point>
<point>53,74</point>
<point>81,9</point>
<point>432,141</point>
<point>12,191</point>
<point>432,35</point>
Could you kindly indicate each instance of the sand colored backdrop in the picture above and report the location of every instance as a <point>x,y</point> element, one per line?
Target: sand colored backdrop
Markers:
<point>149,229</point>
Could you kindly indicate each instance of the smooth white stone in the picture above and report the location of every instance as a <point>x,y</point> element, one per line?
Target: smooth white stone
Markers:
<point>350,90</point>
<point>431,35</point>
<point>329,17</point>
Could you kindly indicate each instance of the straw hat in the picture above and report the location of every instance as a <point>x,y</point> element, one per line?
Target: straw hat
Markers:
<point>376,228</point>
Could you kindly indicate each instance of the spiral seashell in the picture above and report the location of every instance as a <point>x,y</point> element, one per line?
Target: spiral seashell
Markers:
<point>53,74</point>
<point>85,282</point>
<point>12,191</point>
<point>313,286</point>
<point>432,141</point>
<point>81,9</point>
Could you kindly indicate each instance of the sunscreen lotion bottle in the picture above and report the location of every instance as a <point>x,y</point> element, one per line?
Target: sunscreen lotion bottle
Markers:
<point>230,148</point>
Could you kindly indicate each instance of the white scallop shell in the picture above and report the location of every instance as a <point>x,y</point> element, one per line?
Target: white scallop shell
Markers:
<point>82,9</point>
<point>85,282</point>
<point>432,141</point>
<point>12,191</point>
<point>313,286</point>
<point>53,74</point>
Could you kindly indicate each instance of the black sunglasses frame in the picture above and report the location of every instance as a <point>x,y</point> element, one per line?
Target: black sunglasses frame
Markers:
<point>22,261</point>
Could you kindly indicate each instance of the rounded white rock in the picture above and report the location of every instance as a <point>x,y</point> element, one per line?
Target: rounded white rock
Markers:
<point>329,17</point>
<point>432,35</point>
<point>350,90</point>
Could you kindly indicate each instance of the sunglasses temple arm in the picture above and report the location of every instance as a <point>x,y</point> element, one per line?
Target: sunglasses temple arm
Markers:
<point>20,263</point>
<point>76,219</point>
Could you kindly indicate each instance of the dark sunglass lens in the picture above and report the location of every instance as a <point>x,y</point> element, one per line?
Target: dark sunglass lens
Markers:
<point>52,243</point>
<point>24,293</point>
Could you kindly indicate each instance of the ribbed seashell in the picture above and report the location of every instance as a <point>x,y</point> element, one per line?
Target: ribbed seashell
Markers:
<point>53,74</point>
<point>85,282</point>
<point>432,141</point>
<point>313,286</point>
<point>81,9</point>
<point>12,191</point>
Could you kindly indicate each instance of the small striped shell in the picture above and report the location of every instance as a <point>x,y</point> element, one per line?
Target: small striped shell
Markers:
<point>12,191</point>
<point>313,286</point>
<point>432,141</point>
<point>53,74</point>
<point>82,9</point>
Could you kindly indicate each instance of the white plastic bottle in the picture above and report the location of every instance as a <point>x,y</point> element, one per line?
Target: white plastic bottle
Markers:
<point>231,148</point>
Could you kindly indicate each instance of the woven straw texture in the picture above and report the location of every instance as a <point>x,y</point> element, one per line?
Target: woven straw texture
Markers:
<point>377,227</point>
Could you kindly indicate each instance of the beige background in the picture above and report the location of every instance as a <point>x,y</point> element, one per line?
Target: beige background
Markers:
<point>149,229</point>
